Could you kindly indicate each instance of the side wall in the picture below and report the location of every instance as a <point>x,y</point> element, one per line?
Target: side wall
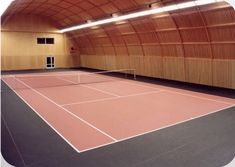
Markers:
<point>19,48</point>
<point>196,45</point>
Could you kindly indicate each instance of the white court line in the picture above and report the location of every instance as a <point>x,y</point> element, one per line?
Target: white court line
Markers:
<point>204,98</point>
<point>89,87</point>
<point>185,94</point>
<point>42,118</point>
<point>154,130</point>
<point>102,91</point>
<point>68,111</point>
<point>67,80</point>
<point>158,90</point>
<point>30,75</point>
<point>111,98</point>
<point>13,140</point>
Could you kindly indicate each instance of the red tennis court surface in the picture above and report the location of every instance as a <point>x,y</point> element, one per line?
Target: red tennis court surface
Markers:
<point>89,116</point>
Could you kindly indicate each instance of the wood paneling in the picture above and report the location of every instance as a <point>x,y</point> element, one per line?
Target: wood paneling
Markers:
<point>125,29</point>
<point>188,20</point>
<point>117,40</point>
<point>121,51</point>
<point>233,74</point>
<point>201,71</point>
<point>28,23</point>
<point>198,51</point>
<point>142,25</point>
<point>99,50</point>
<point>109,51</point>
<point>135,51</point>
<point>221,16</point>
<point>137,64</point>
<point>222,33</point>
<point>173,68</point>
<point>22,62</point>
<point>164,23</point>
<point>169,36</point>
<point>153,66</point>
<point>69,59</point>
<point>122,62</point>
<point>194,45</point>
<point>131,39</point>
<point>152,50</point>
<point>21,51</point>
<point>96,62</point>
<point>148,38</point>
<point>224,51</point>
<point>110,63</point>
<point>198,35</point>
<point>224,73</point>
<point>145,65</point>
<point>172,50</point>
<point>198,71</point>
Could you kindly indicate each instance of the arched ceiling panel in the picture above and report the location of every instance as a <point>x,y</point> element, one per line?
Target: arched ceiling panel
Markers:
<point>163,22</point>
<point>143,25</point>
<point>176,32</point>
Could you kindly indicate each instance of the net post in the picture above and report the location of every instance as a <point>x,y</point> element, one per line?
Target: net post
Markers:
<point>78,79</point>
<point>134,74</point>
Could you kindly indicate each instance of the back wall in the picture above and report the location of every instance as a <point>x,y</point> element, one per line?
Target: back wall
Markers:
<point>19,46</point>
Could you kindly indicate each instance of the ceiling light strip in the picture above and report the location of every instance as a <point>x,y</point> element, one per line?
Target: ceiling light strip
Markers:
<point>141,14</point>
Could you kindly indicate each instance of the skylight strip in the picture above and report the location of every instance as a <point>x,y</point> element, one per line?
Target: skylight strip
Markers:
<point>142,13</point>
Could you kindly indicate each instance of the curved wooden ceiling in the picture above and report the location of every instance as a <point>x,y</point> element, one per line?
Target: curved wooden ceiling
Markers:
<point>67,13</point>
<point>199,29</point>
<point>72,12</point>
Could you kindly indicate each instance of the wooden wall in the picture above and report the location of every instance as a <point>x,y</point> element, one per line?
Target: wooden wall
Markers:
<point>196,45</point>
<point>19,48</point>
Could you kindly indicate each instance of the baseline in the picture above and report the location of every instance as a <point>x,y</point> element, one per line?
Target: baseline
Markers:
<point>155,130</point>
<point>84,121</point>
<point>203,98</point>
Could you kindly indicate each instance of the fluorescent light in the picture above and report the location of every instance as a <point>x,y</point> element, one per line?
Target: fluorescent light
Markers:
<point>204,2</point>
<point>94,27</point>
<point>118,22</point>
<point>114,19</point>
<point>141,14</point>
<point>170,8</point>
<point>4,5</point>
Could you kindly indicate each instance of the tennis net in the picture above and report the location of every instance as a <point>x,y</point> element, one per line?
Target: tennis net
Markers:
<point>28,81</point>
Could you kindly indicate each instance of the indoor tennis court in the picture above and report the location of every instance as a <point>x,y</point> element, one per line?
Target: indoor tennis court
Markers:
<point>110,83</point>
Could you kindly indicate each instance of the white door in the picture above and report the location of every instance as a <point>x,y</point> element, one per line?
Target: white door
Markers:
<point>50,62</point>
